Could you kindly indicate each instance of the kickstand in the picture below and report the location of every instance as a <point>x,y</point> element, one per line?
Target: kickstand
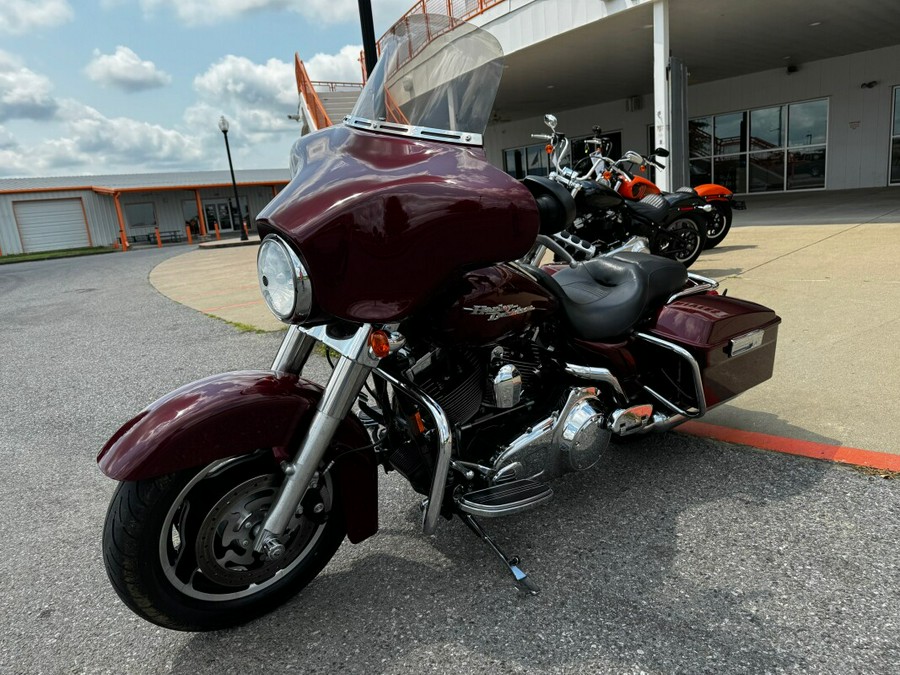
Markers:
<point>523,583</point>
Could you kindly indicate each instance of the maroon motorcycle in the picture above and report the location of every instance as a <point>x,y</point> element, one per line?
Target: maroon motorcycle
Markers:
<point>478,377</point>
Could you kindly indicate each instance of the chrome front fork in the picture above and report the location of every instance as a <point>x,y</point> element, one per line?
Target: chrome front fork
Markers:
<point>355,363</point>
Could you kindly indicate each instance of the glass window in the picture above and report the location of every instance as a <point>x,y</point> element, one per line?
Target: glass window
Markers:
<point>701,172</point>
<point>895,160</point>
<point>731,172</point>
<point>806,168</point>
<point>807,123</point>
<point>896,129</point>
<point>537,162</point>
<point>895,140</point>
<point>512,163</point>
<point>766,171</point>
<point>140,215</point>
<point>729,131</point>
<point>700,137</point>
<point>765,129</point>
<point>747,149</point>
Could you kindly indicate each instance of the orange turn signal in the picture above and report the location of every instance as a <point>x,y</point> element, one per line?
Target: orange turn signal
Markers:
<point>420,425</point>
<point>549,149</point>
<point>379,344</point>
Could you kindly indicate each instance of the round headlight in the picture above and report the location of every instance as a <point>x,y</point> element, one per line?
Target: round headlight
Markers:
<point>283,281</point>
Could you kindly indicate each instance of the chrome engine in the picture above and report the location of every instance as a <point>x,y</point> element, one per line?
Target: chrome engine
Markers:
<point>573,439</point>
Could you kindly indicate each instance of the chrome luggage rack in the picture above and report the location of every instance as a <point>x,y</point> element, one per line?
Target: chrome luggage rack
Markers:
<point>700,285</point>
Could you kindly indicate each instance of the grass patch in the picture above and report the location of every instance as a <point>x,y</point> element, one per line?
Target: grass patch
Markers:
<point>47,255</point>
<point>881,473</point>
<point>244,327</point>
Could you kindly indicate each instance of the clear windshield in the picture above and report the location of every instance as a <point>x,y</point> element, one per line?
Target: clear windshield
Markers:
<point>434,72</point>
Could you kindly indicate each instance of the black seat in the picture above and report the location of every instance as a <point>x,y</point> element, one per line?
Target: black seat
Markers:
<point>652,207</point>
<point>675,197</point>
<point>605,297</point>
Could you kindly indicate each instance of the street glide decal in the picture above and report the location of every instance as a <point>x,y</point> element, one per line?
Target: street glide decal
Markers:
<point>498,311</point>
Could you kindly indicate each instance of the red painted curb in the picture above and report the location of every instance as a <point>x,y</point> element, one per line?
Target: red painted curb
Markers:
<point>792,446</point>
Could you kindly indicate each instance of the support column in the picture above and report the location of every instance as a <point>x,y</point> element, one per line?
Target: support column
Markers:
<point>661,112</point>
<point>121,218</point>
<point>200,219</point>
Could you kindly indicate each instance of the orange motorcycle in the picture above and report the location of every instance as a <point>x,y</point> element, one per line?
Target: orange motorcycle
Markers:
<point>624,176</point>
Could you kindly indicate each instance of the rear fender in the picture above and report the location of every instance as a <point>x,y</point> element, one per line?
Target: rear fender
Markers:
<point>713,192</point>
<point>238,413</point>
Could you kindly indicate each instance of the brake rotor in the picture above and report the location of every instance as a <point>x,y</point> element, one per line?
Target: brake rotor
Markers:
<point>225,552</point>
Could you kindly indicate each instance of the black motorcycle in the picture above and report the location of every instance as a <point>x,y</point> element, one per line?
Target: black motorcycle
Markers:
<point>674,225</point>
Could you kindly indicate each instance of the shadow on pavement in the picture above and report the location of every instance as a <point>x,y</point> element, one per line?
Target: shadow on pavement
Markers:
<point>643,563</point>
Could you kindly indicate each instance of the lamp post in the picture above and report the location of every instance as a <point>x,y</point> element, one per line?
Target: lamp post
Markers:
<point>223,127</point>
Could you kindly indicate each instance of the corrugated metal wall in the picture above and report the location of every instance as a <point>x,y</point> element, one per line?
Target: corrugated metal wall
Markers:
<point>101,212</point>
<point>99,209</point>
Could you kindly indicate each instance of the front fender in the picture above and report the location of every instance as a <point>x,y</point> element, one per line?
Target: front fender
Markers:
<point>235,414</point>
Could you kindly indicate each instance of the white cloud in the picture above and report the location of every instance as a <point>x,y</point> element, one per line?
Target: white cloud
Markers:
<point>237,78</point>
<point>125,70</point>
<point>256,98</point>
<point>126,142</point>
<point>341,67</point>
<point>7,140</point>
<point>325,11</point>
<point>88,142</point>
<point>24,94</point>
<point>22,16</point>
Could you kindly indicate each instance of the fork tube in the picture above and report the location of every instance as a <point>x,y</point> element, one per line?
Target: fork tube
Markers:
<point>345,383</point>
<point>293,352</point>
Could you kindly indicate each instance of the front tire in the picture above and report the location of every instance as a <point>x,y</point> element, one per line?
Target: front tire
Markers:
<point>682,239</point>
<point>719,224</point>
<point>178,549</point>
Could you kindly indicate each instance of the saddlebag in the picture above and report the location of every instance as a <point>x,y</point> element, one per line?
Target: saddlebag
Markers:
<point>732,340</point>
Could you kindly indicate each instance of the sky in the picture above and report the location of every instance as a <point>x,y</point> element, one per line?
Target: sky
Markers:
<point>137,86</point>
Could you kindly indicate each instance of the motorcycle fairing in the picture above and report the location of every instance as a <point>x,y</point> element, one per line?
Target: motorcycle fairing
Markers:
<point>383,221</point>
<point>238,413</point>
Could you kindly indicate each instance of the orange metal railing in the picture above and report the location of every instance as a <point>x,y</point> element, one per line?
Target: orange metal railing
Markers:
<point>306,89</point>
<point>463,10</point>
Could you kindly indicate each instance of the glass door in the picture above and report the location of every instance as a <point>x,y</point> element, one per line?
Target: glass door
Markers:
<point>218,212</point>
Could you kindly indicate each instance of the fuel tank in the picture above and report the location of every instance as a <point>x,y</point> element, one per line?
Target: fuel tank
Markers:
<point>382,221</point>
<point>595,197</point>
<point>488,304</point>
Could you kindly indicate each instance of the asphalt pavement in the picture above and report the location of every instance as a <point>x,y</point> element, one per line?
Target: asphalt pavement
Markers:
<point>674,554</point>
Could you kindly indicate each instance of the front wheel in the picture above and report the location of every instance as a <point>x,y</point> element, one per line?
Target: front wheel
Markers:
<point>719,223</point>
<point>682,239</point>
<point>179,552</point>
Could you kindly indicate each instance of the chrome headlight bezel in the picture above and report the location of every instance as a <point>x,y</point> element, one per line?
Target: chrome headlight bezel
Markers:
<point>301,286</point>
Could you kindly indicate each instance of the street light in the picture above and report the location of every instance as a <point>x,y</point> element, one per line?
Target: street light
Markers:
<point>223,127</point>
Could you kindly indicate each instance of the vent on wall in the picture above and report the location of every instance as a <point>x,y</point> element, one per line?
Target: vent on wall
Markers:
<point>634,103</point>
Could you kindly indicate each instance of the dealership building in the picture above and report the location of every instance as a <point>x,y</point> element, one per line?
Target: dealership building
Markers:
<point>763,97</point>
<point>44,214</point>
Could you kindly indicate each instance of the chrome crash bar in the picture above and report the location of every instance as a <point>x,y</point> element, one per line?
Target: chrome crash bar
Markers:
<point>445,447</point>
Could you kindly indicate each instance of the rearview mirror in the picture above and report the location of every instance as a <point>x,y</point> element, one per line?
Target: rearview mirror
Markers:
<point>661,152</point>
<point>633,157</point>
<point>550,121</point>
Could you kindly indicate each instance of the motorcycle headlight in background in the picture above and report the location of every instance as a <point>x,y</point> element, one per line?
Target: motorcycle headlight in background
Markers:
<point>283,281</point>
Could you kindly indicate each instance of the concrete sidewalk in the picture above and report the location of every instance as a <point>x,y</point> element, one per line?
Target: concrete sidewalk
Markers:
<point>834,285</point>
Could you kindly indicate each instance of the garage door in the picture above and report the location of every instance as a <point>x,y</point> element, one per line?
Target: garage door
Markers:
<point>49,225</point>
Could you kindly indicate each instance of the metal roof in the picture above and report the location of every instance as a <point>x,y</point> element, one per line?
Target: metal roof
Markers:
<point>146,181</point>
